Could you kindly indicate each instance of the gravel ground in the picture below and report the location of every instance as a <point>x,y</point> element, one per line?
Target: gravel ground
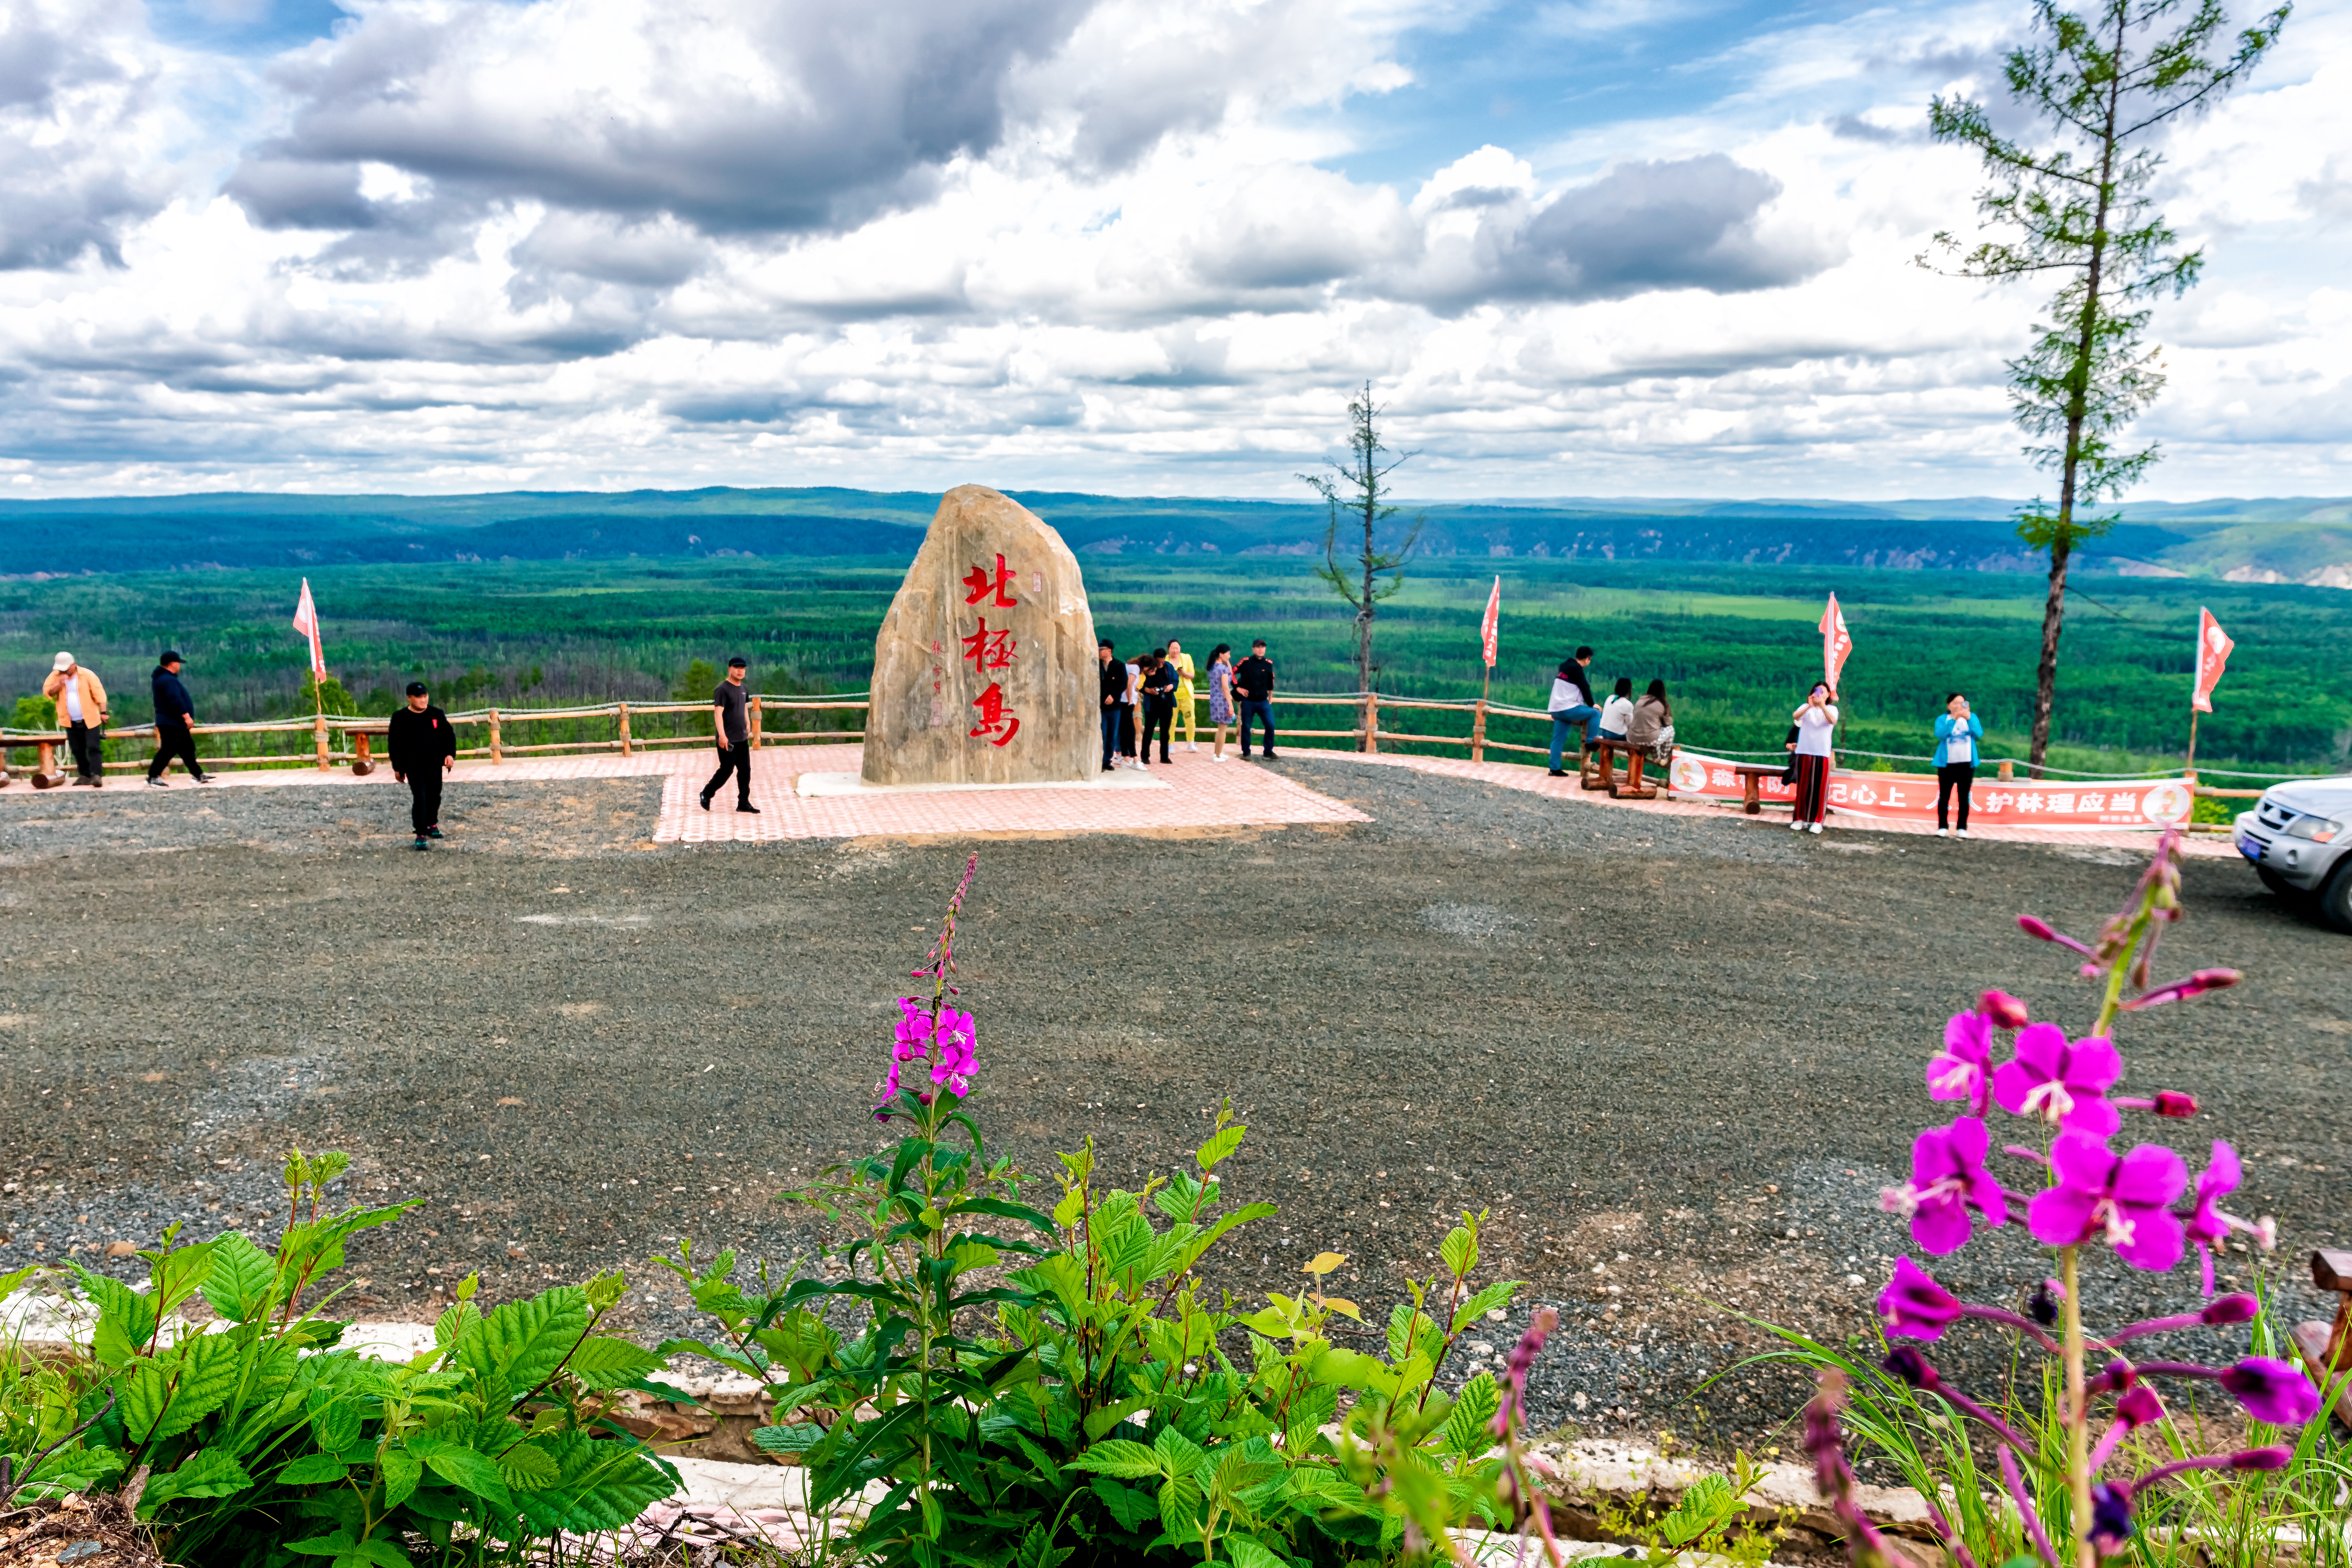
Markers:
<point>1701,1043</point>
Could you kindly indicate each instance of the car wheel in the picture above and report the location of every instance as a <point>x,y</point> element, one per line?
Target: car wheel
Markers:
<point>2281,886</point>
<point>2335,897</point>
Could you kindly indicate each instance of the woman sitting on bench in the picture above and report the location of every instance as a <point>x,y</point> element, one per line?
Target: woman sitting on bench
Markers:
<point>1651,727</point>
<point>1617,712</point>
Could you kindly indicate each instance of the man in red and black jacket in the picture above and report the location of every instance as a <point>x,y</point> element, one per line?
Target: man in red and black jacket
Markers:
<point>422,747</point>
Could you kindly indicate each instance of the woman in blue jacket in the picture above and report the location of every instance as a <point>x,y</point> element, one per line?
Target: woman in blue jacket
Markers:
<point>1957,734</point>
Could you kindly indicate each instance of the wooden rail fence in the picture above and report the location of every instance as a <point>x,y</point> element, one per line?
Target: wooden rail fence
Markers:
<point>358,733</point>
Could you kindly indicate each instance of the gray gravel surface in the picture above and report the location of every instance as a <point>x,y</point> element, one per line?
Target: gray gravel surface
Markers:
<point>1674,1059</point>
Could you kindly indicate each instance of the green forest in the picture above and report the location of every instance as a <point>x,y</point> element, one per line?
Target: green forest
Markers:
<point>1736,644</point>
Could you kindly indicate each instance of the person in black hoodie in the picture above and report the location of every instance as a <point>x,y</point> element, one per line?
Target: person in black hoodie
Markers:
<point>1114,700</point>
<point>175,723</point>
<point>1158,688</point>
<point>422,747</point>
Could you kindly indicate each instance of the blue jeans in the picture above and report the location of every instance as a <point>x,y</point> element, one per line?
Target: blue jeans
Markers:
<point>1110,733</point>
<point>1263,711</point>
<point>1581,713</point>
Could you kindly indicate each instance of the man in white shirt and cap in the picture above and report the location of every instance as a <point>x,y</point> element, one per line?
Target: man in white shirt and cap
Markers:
<point>81,708</point>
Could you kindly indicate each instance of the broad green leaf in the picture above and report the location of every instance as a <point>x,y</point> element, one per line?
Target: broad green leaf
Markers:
<point>1073,1203</point>
<point>210,1366</point>
<point>133,1315</point>
<point>1707,1503</point>
<point>1218,1147</point>
<point>526,1341</point>
<point>238,1283</point>
<point>402,1470</point>
<point>109,1342</point>
<point>1247,1554</point>
<point>1322,1263</point>
<point>1101,1421</point>
<point>1179,1455</point>
<point>1458,1251</point>
<point>603,1363</point>
<point>526,1468</point>
<point>74,1471</point>
<point>311,1469</point>
<point>1466,1429</point>
<point>335,1422</point>
<point>1180,1507</point>
<point>334,1545</point>
<point>468,1471</point>
<point>1123,1457</point>
<point>1132,1508</point>
<point>375,1552</point>
<point>145,1390</point>
<point>207,1472</point>
<point>454,1324</point>
<point>1484,1302</point>
<point>787,1439</point>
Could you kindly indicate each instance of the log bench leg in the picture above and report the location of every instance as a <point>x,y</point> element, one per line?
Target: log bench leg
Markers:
<point>1751,801</point>
<point>363,765</point>
<point>45,774</point>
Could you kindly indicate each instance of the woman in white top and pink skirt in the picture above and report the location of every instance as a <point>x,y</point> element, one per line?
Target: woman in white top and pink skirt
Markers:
<point>1815,722</point>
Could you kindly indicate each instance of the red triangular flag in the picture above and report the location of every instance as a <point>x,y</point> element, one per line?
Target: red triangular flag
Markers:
<point>2213,646</point>
<point>1494,614</point>
<point>1835,644</point>
<point>306,621</point>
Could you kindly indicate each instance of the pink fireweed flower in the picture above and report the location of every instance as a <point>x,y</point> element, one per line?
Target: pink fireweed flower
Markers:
<point>2005,1011</point>
<point>2125,1199</point>
<point>2134,1407</point>
<point>2170,1102</point>
<point>2196,984</point>
<point>2272,1391</point>
<point>1514,1407</point>
<point>1961,1071</point>
<point>2042,930</point>
<point>2208,1225</point>
<point>1913,1306</point>
<point>1947,1179</point>
<point>2064,1085</point>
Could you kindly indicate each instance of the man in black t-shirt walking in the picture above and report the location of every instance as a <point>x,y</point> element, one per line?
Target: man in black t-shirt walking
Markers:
<point>730,723</point>
<point>1252,686</point>
<point>423,749</point>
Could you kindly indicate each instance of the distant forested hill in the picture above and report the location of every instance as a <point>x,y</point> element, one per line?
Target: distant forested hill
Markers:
<point>2294,540</point>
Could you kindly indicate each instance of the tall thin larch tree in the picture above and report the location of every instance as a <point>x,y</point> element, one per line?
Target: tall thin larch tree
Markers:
<point>1358,490</point>
<point>2105,82</point>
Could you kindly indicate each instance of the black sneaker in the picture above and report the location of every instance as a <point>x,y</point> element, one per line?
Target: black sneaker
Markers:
<point>157,783</point>
<point>433,831</point>
<point>1272,758</point>
<point>747,805</point>
<point>1559,773</point>
<point>706,803</point>
<point>206,778</point>
<point>423,842</point>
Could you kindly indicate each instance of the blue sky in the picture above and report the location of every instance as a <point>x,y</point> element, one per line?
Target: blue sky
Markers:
<point>1594,248</point>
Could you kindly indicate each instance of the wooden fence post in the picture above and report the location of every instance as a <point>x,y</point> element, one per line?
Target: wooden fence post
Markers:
<point>755,724</point>
<point>1478,733</point>
<point>1372,721</point>
<point>625,729</point>
<point>2008,773</point>
<point>318,734</point>
<point>496,755</point>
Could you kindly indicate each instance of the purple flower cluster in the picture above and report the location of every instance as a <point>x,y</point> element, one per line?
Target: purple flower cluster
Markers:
<point>945,1043</point>
<point>2092,1195</point>
<point>2097,1195</point>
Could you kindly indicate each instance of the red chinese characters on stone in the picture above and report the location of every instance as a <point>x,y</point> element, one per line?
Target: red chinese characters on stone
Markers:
<point>994,721</point>
<point>983,584</point>
<point>989,649</point>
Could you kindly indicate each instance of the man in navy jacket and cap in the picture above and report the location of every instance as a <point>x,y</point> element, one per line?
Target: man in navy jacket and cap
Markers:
<point>175,721</point>
<point>422,747</point>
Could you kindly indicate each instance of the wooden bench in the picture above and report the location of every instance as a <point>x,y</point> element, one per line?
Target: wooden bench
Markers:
<point>1598,770</point>
<point>1751,776</point>
<point>364,764</point>
<point>2326,1348</point>
<point>46,774</point>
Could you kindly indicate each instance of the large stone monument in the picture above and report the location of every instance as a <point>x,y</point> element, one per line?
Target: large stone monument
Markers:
<point>984,670</point>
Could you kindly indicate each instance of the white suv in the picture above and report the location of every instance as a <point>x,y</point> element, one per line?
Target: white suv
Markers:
<point>2299,839</point>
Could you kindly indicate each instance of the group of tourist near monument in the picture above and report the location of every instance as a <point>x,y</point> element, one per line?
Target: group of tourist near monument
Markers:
<point>987,664</point>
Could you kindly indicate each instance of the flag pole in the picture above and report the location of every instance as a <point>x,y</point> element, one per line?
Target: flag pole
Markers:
<point>2190,768</point>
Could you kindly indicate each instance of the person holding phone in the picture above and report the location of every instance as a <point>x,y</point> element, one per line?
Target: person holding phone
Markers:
<point>1957,734</point>
<point>1816,720</point>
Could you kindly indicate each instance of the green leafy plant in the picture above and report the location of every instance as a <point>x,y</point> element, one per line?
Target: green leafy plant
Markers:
<point>1712,1517</point>
<point>259,1440</point>
<point>972,1379</point>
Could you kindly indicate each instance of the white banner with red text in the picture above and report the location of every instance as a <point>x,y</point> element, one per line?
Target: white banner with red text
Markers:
<point>2105,805</point>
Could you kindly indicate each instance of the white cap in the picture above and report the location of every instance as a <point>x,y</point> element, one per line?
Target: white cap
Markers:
<point>64,662</point>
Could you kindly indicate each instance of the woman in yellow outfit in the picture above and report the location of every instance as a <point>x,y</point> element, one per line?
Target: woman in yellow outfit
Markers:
<point>1182,662</point>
